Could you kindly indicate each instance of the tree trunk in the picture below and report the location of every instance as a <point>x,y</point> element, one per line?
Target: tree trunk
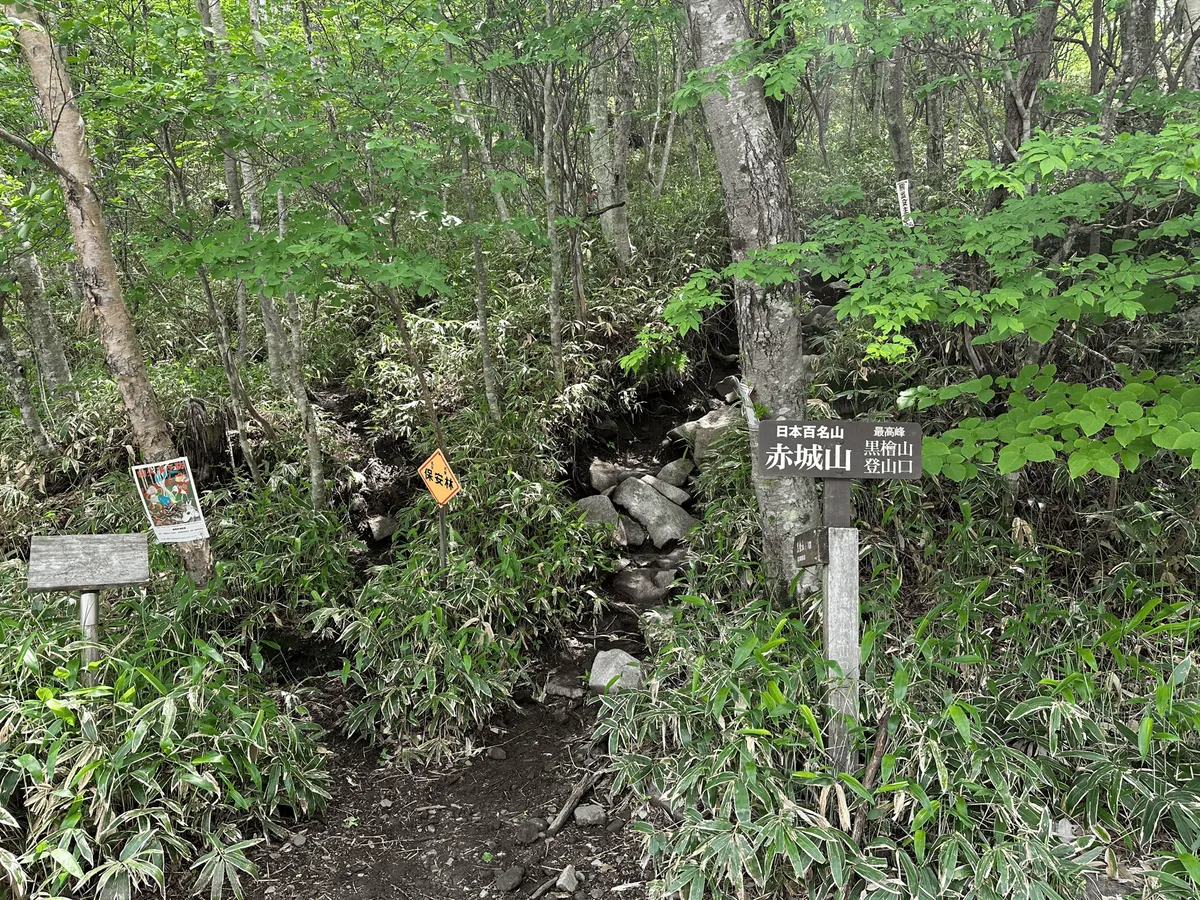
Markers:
<point>549,126</point>
<point>1034,53</point>
<point>47,340</point>
<point>758,203</point>
<point>1137,42</point>
<point>600,139</point>
<point>897,122</point>
<point>935,142</point>
<point>666,153</point>
<point>14,377</point>
<point>622,130</point>
<point>294,360</point>
<point>481,290</point>
<point>1191,36</point>
<point>96,265</point>
<point>211,16</point>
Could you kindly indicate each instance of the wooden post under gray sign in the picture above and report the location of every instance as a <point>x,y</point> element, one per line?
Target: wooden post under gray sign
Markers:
<point>88,563</point>
<point>837,452</point>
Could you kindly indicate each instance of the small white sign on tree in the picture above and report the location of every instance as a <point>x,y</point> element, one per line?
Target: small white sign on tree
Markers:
<point>902,195</point>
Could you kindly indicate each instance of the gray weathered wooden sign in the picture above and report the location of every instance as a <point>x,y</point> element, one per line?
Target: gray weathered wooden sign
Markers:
<point>87,562</point>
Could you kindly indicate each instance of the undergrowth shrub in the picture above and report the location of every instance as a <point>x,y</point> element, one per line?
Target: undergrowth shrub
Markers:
<point>169,751</point>
<point>434,654</point>
<point>1030,728</point>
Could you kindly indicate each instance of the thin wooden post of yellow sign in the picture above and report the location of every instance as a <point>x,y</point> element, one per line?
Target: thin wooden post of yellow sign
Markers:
<point>442,484</point>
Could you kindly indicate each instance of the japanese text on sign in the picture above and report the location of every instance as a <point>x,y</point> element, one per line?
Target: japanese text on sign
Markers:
<point>905,202</point>
<point>439,478</point>
<point>840,449</point>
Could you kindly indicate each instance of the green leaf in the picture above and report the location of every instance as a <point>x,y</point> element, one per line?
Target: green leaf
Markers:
<point>1010,460</point>
<point>1144,732</point>
<point>1079,463</point>
<point>1039,451</point>
<point>961,722</point>
<point>67,861</point>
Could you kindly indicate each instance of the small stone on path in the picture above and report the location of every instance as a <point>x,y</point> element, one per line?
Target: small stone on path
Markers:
<point>510,879</point>
<point>497,753</point>
<point>617,667</point>
<point>568,881</point>
<point>590,815</point>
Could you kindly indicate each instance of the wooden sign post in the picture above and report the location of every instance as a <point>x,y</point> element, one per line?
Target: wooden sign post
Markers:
<point>442,484</point>
<point>838,452</point>
<point>88,563</point>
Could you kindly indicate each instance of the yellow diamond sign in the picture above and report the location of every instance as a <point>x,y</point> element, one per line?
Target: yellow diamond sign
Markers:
<point>439,478</point>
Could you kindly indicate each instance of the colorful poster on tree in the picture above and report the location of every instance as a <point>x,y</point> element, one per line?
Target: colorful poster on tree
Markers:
<point>172,502</point>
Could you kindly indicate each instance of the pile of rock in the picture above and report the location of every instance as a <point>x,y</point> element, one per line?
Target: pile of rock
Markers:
<point>641,506</point>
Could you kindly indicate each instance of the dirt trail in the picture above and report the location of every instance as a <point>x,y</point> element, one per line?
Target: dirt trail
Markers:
<point>459,831</point>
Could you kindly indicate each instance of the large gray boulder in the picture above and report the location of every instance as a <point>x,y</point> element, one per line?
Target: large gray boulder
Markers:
<point>727,387</point>
<point>672,493</point>
<point>665,521</point>
<point>618,667</point>
<point>598,510</point>
<point>605,475</point>
<point>710,429</point>
<point>644,586</point>
<point>676,473</point>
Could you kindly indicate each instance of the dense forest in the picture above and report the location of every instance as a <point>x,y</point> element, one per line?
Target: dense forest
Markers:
<point>585,249</point>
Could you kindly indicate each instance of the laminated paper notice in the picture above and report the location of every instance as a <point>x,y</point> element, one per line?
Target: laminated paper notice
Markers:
<point>172,503</point>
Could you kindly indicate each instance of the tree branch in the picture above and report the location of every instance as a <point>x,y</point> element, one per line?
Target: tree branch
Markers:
<point>37,153</point>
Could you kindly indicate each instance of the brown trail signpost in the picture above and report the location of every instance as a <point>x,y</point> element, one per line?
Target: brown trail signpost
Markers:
<point>837,452</point>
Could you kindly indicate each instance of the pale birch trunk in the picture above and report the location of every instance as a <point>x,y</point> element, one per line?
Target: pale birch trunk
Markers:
<point>1191,35</point>
<point>97,267</point>
<point>758,203</point>
<point>600,139</point>
<point>14,377</point>
<point>670,136</point>
<point>297,382</point>
<point>554,300</point>
<point>39,318</point>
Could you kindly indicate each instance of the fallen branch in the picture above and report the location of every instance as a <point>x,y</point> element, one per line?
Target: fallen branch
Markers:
<point>544,887</point>
<point>585,784</point>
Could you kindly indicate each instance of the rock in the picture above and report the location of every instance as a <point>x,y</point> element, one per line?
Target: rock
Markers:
<point>710,429</point>
<point>530,830</point>
<point>676,473</point>
<point>382,527</point>
<point>675,559</point>
<point>590,815</point>
<point>1066,831</point>
<point>358,504</point>
<point>672,493</point>
<point>497,753</point>
<point>714,403</point>
<point>643,586</point>
<point>665,521</point>
<point>629,533</point>
<point>614,826</point>
<point>559,716</point>
<point>598,510</point>
<point>510,879</point>
<point>559,689</point>
<point>385,803</point>
<point>684,432</point>
<point>298,840</point>
<point>568,881</point>
<point>727,387</point>
<point>618,665</point>
<point>605,475</point>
